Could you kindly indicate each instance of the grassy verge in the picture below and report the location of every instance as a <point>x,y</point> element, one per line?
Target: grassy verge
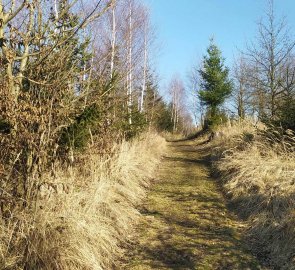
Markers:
<point>258,173</point>
<point>81,216</point>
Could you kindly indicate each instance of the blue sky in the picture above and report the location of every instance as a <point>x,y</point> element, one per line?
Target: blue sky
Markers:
<point>185,26</point>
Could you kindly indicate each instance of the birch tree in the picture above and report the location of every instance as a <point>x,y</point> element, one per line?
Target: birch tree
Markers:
<point>242,88</point>
<point>176,90</point>
<point>146,33</point>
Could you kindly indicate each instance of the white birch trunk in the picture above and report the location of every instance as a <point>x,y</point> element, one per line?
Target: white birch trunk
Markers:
<point>130,77</point>
<point>55,10</point>
<point>143,89</point>
<point>113,39</point>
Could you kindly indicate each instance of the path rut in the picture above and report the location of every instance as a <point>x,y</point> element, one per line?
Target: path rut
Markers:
<point>186,224</point>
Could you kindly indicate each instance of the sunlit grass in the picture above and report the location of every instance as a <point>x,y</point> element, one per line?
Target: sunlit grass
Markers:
<point>186,223</point>
<point>85,227</point>
<point>257,166</point>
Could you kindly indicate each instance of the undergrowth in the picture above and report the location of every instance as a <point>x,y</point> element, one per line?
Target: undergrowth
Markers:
<point>82,215</point>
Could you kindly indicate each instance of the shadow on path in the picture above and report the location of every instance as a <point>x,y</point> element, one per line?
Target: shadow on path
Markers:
<point>186,224</point>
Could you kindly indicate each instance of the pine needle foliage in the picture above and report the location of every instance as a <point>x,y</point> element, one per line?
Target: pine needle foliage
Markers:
<point>215,83</point>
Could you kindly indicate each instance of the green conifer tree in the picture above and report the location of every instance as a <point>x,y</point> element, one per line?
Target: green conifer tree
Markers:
<point>215,84</point>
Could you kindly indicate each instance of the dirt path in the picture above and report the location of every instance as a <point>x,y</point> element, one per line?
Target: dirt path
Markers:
<point>186,224</point>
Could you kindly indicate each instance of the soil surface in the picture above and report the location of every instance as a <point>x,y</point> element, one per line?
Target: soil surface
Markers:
<point>186,223</point>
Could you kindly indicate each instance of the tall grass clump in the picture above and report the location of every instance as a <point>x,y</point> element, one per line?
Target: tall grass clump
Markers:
<point>233,133</point>
<point>257,166</point>
<point>82,215</point>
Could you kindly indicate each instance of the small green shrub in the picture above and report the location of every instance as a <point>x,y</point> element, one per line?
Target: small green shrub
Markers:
<point>77,135</point>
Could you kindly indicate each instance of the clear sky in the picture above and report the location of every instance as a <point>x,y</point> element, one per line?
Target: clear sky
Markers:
<point>185,26</point>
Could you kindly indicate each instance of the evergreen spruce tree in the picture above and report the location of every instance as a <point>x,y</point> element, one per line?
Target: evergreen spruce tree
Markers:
<point>215,84</point>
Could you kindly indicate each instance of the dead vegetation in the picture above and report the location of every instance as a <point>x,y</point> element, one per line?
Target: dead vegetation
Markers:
<point>82,225</point>
<point>185,223</point>
<point>76,96</point>
<point>258,171</point>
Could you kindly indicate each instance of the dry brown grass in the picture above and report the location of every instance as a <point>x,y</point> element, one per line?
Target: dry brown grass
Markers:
<point>233,133</point>
<point>258,171</point>
<point>83,226</point>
